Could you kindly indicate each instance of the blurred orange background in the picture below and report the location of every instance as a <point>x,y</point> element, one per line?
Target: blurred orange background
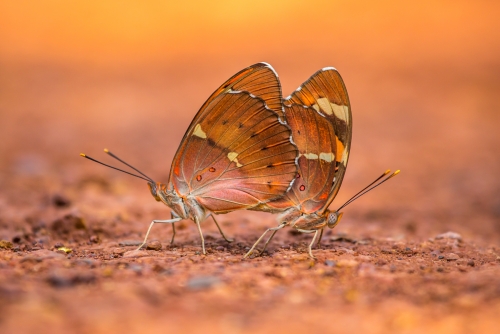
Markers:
<point>423,78</point>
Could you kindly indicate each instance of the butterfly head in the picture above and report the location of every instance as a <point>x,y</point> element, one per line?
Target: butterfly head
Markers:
<point>153,187</point>
<point>334,218</point>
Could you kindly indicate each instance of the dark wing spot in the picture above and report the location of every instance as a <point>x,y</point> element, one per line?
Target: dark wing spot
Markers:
<point>211,142</point>
<point>253,135</point>
<point>240,126</point>
<point>264,148</point>
<point>224,122</point>
<point>302,188</point>
<point>198,178</point>
<point>269,184</point>
<point>298,131</point>
<point>211,169</point>
<point>270,166</point>
<point>297,176</point>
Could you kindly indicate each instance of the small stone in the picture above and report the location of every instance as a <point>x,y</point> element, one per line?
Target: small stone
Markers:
<point>449,235</point>
<point>130,243</point>
<point>135,268</point>
<point>330,263</point>
<point>6,244</point>
<point>119,251</point>
<point>154,245</point>
<point>452,257</point>
<point>440,257</point>
<point>94,239</point>
<point>202,282</point>
<point>220,248</point>
<point>471,263</point>
<point>65,250</point>
<point>59,281</point>
<point>60,201</point>
<point>58,245</point>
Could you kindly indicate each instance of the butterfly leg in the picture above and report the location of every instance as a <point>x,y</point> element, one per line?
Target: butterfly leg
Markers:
<point>201,235</point>
<point>311,244</point>
<point>170,221</point>
<point>274,229</point>
<point>220,230</point>
<point>174,215</point>
<point>319,239</point>
<point>268,240</point>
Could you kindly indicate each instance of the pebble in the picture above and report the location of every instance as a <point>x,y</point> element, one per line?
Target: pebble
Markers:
<point>94,239</point>
<point>129,243</point>
<point>58,245</point>
<point>452,257</point>
<point>5,244</point>
<point>62,281</point>
<point>330,263</point>
<point>119,251</point>
<point>154,245</point>
<point>60,201</point>
<point>449,235</point>
<point>202,282</point>
<point>471,263</point>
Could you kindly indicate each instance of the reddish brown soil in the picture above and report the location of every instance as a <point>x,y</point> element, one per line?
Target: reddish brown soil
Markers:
<point>419,254</point>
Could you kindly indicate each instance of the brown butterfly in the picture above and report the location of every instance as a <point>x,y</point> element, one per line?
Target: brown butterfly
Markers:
<point>319,114</point>
<point>236,154</point>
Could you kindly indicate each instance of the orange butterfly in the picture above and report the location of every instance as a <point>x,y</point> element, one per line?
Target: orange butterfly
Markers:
<point>319,114</point>
<point>236,154</point>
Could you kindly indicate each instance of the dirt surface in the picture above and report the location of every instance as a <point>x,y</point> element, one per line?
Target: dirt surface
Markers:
<point>419,254</point>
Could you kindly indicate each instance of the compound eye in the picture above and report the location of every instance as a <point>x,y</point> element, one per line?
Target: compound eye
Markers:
<point>152,188</point>
<point>334,218</point>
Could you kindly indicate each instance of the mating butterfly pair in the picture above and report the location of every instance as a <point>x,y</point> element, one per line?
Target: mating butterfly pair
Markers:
<point>248,148</point>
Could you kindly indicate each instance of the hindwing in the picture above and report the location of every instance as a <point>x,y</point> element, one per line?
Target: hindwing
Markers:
<point>319,114</point>
<point>325,92</point>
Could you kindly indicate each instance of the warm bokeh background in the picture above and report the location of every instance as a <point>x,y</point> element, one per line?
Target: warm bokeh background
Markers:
<point>423,79</point>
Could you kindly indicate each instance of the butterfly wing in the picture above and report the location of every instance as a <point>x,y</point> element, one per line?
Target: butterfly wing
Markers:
<point>237,153</point>
<point>319,114</point>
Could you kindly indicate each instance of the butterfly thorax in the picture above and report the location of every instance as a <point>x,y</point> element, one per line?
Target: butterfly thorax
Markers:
<point>185,207</point>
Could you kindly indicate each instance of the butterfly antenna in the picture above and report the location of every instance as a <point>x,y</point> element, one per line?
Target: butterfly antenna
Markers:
<point>370,187</point>
<point>121,170</point>
<point>123,162</point>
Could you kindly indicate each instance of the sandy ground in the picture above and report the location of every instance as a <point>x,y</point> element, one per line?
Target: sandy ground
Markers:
<point>419,254</point>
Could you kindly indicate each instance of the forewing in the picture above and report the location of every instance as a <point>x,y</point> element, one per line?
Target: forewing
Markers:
<point>237,155</point>
<point>314,136</point>
<point>325,92</point>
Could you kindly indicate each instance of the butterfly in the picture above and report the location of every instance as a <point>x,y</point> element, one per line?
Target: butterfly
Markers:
<point>237,153</point>
<point>319,114</point>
